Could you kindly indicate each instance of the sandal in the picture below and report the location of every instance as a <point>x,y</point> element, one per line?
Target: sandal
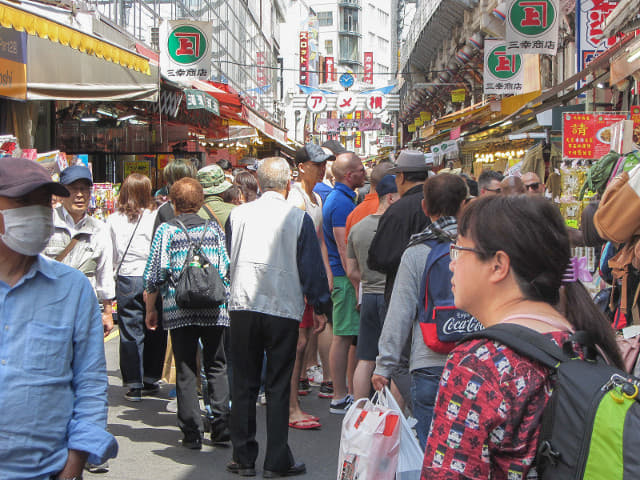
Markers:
<point>307,424</point>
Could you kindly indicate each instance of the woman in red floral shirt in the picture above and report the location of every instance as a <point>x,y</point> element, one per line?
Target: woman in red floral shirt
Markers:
<point>508,266</point>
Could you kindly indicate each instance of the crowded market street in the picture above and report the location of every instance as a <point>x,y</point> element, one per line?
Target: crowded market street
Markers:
<point>149,438</point>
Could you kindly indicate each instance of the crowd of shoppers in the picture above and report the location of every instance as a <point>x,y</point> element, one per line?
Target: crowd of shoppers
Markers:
<point>314,283</point>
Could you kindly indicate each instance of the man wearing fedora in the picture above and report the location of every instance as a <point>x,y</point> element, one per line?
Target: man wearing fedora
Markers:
<point>402,219</point>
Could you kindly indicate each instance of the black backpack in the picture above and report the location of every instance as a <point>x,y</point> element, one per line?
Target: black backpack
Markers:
<point>199,284</point>
<point>591,424</point>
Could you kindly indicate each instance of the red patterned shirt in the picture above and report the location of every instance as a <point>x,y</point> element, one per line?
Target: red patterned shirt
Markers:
<point>487,416</point>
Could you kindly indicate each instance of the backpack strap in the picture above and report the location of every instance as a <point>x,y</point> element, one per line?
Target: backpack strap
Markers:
<point>212,214</point>
<point>432,259</point>
<point>524,341</point>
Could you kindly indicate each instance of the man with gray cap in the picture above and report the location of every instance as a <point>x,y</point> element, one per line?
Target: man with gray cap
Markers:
<point>83,242</point>
<point>403,219</point>
<point>53,369</point>
<point>214,183</point>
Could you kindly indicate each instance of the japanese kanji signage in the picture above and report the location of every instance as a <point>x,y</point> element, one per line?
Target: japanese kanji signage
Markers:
<point>332,125</point>
<point>458,95</point>
<point>368,67</point>
<point>376,102</point>
<point>346,102</point>
<point>587,135</point>
<point>13,64</point>
<point>304,58</point>
<point>590,16</point>
<point>261,75</point>
<point>185,49</point>
<point>532,26</point>
<point>330,69</point>
<point>316,102</point>
<point>199,100</point>
<point>503,72</point>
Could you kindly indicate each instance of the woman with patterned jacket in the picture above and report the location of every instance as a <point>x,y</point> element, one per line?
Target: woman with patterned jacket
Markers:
<point>187,326</point>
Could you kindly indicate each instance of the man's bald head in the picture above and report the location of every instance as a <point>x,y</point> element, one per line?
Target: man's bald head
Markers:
<point>532,183</point>
<point>512,186</point>
<point>343,164</point>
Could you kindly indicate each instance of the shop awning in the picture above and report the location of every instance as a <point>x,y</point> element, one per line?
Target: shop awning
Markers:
<point>66,64</point>
<point>270,130</point>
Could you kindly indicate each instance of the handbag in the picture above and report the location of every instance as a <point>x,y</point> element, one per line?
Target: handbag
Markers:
<point>369,441</point>
<point>616,218</point>
<point>410,456</point>
<point>199,284</point>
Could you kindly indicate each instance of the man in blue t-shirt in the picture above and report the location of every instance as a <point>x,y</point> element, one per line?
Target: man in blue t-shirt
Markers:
<point>349,174</point>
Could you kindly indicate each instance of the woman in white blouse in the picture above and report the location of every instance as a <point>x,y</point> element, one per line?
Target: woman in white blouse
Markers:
<point>131,228</point>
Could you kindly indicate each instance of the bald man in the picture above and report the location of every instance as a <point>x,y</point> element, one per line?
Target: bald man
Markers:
<point>349,174</point>
<point>532,183</point>
<point>512,186</point>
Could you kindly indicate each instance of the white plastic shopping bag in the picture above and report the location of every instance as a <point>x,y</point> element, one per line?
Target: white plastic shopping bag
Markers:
<point>370,441</point>
<point>411,455</point>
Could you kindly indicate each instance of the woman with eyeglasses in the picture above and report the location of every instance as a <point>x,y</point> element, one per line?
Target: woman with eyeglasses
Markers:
<point>508,265</point>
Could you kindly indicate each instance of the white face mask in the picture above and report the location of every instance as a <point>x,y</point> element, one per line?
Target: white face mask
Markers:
<point>27,230</point>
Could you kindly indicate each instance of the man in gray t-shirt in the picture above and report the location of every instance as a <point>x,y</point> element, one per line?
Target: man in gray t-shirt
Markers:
<point>371,292</point>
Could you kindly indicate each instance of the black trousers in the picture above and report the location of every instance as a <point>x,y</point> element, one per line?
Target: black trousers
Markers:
<point>142,351</point>
<point>185,350</point>
<point>252,334</point>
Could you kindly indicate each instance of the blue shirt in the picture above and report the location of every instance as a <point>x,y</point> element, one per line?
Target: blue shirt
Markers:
<point>335,211</point>
<point>323,190</point>
<point>53,377</point>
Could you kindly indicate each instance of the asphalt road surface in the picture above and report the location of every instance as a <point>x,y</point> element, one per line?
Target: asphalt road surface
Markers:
<point>149,439</point>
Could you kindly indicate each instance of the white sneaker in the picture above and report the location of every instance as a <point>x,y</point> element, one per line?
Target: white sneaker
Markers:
<point>314,374</point>
<point>172,406</point>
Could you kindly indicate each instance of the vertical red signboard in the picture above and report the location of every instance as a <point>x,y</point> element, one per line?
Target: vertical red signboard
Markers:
<point>304,58</point>
<point>368,67</point>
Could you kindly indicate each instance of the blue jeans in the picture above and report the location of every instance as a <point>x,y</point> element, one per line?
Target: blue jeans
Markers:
<point>424,389</point>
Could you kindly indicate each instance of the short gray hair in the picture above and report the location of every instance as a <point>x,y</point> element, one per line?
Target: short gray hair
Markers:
<point>274,173</point>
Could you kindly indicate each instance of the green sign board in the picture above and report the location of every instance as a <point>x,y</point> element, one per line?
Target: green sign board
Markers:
<point>198,100</point>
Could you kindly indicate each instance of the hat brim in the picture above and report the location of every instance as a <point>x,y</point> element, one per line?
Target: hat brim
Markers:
<point>408,169</point>
<point>53,188</point>
<point>325,158</point>
<point>218,189</point>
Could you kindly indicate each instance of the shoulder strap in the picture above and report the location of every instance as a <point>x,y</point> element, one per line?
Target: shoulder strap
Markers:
<point>63,254</point>
<point>525,341</point>
<point>432,259</point>
<point>185,229</point>
<point>129,244</point>
<point>211,213</point>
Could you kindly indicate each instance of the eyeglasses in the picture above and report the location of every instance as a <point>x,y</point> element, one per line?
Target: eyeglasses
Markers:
<point>494,190</point>
<point>454,251</point>
<point>532,186</point>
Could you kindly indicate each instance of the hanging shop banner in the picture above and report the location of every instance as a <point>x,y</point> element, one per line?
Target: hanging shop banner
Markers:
<point>455,133</point>
<point>137,166</point>
<point>316,102</point>
<point>185,49</point>
<point>368,67</point>
<point>261,74</point>
<point>635,116</point>
<point>13,64</point>
<point>426,116</point>
<point>333,125</point>
<point>532,26</point>
<point>346,102</point>
<point>330,69</point>
<point>458,95</point>
<point>411,128</point>
<point>587,135</point>
<point>590,16</point>
<point>357,142</point>
<point>304,58</point>
<point>199,100</point>
<point>445,148</point>
<point>503,72</point>
<point>376,102</point>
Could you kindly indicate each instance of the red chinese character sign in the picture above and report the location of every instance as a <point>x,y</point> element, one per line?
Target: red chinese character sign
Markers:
<point>532,26</point>
<point>587,135</point>
<point>304,58</point>
<point>376,102</point>
<point>503,71</point>
<point>346,102</point>
<point>316,102</point>
<point>185,50</point>
<point>368,67</point>
<point>329,69</point>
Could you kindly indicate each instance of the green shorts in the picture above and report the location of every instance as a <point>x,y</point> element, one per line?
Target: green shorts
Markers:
<point>346,319</point>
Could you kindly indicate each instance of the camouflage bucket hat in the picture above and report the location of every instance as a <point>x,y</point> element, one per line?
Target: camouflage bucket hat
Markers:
<point>213,180</point>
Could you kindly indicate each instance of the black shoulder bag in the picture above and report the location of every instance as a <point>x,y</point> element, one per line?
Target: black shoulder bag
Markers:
<point>199,284</point>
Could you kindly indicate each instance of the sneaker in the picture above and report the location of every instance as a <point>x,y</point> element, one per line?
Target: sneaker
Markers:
<point>303,387</point>
<point>194,443</point>
<point>326,390</point>
<point>134,395</point>
<point>149,389</point>
<point>262,399</point>
<point>341,407</point>
<point>172,406</point>
<point>314,374</point>
<point>92,468</point>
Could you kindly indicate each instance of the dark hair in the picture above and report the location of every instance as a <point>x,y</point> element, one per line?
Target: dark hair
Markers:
<point>232,194</point>
<point>225,164</point>
<point>444,194</point>
<point>179,168</point>
<point>589,232</point>
<point>248,184</point>
<point>415,176</point>
<point>378,173</point>
<point>487,176</point>
<point>187,195</point>
<point>135,196</point>
<point>531,231</point>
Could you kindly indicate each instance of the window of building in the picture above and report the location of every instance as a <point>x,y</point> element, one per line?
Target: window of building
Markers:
<point>325,19</point>
<point>350,20</point>
<point>328,47</point>
<point>349,48</point>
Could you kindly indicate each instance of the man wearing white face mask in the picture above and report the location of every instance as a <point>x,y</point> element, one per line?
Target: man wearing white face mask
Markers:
<point>83,242</point>
<point>52,363</point>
